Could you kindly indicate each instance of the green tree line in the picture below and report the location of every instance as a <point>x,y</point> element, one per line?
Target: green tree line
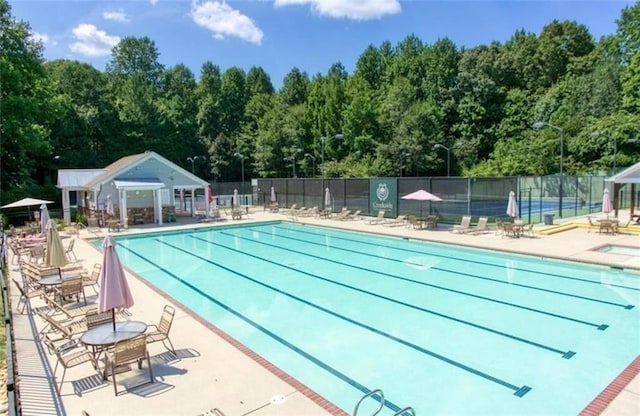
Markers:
<point>406,109</point>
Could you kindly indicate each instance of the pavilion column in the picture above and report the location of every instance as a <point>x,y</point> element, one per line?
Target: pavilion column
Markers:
<point>122,196</point>
<point>193,202</point>
<point>157,206</point>
<point>66,206</point>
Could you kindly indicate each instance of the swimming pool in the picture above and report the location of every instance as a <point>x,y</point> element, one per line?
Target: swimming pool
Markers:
<point>444,329</point>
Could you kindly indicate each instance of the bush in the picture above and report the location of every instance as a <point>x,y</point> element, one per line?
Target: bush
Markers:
<point>82,219</point>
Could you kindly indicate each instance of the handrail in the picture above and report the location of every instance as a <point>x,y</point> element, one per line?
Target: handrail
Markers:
<point>407,409</point>
<point>82,226</point>
<point>371,394</point>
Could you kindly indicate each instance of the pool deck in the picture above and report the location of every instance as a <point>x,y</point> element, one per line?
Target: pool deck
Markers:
<point>211,371</point>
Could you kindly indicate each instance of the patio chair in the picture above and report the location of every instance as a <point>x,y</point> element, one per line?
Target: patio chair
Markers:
<point>71,288</point>
<point>68,251</point>
<point>65,332</point>
<point>18,253</point>
<point>412,222</point>
<point>68,356</point>
<point>617,226</point>
<point>508,230</point>
<point>91,280</point>
<point>160,332</point>
<point>499,228</point>
<point>378,219</point>
<point>396,222</point>
<point>527,230</point>
<point>25,296</point>
<point>126,352</point>
<point>36,254</point>
<point>95,318</point>
<point>464,226</point>
<point>343,215</point>
<point>431,222</point>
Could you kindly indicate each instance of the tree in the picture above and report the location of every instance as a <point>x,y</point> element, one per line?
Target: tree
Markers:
<point>25,106</point>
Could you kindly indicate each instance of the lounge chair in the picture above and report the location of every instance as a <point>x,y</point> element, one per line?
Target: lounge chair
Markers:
<point>481,227</point>
<point>379,219</point>
<point>464,226</point>
<point>25,296</point>
<point>353,216</point>
<point>396,222</point>
<point>69,313</point>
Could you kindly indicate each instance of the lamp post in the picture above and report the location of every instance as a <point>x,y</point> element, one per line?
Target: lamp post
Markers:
<point>193,159</point>
<point>238,154</point>
<point>540,125</point>
<point>324,141</point>
<point>438,145</point>
<point>313,158</point>
<point>293,160</point>
<point>402,157</point>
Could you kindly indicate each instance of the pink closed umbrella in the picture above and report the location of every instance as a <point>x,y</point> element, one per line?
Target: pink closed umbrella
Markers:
<point>114,289</point>
<point>607,206</point>
<point>512,205</point>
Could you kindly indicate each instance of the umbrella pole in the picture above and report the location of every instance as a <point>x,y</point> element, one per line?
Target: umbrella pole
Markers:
<point>113,318</point>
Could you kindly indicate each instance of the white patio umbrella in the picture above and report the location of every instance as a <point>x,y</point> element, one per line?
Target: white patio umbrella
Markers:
<point>607,206</point>
<point>421,195</point>
<point>327,199</point>
<point>512,205</point>
<point>26,202</point>
<point>44,218</point>
<point>273,195</point>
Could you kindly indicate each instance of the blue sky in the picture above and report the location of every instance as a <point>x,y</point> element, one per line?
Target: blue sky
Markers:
<point>279,35</point>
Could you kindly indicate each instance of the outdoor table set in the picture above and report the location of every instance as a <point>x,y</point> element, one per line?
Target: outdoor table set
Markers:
<point>608,226</point>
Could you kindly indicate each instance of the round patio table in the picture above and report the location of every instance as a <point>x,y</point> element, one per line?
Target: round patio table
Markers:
<point>104,335</point>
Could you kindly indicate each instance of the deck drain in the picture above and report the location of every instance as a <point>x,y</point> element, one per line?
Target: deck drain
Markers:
<point>278,399</point>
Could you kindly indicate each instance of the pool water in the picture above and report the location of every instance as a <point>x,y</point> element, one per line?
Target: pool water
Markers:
<point>624,250</point>
<point>440,328</point>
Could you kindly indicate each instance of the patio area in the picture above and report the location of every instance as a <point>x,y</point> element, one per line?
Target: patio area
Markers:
<point>211,371</point>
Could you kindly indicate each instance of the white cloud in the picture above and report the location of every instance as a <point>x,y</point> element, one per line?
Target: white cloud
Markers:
<point>91,41</point>
<point>42,37</point>
<point>349,9</point>
<point>153,2</point>
<point>118,16</point>
<point>223,21</point>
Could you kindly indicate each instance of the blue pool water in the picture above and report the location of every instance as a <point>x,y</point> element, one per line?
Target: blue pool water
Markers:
<point>444,329</point>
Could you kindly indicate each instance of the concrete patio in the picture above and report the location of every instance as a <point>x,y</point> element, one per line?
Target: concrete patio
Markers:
<point>211,371</point>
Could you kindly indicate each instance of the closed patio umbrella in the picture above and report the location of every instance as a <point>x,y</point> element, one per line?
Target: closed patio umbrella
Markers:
<point>109,207</point>
<point>512,205</point>
<point>54,252</point>
<point>114,289</point>
<point>607,206</point>
<point>327,199</point>
<point>273,195</point>
<point>236,199</point>
<point>44,218</point>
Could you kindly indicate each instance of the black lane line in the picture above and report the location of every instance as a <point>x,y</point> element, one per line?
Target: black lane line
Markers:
<point>457,273</point>
<point>469,261</point>
<point>564,354</point>
<point>262,329</point>
<point>518,391</point>
<point>601,327</point>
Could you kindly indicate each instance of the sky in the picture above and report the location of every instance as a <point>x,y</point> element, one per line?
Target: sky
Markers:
<point>279,35</point>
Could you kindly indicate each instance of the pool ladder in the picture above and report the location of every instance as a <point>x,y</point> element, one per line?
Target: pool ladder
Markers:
<point>378,394</point>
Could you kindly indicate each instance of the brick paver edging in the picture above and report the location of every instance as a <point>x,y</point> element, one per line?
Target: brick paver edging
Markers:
<point>610,392</point>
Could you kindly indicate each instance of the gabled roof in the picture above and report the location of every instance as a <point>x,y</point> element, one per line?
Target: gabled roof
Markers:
<point>76,178</point>
<point>118,166</point>
<point>629,175</point>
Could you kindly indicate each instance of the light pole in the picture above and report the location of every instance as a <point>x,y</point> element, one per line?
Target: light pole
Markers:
<point>402,157</point>
<point>313,158</point>
<point>596,134</point>
<point>293,160</point>
<point>238,154</point>
<point>438,145</point>
<point>324,141</point>
<point>193,159</point>
<point>540,125</point>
